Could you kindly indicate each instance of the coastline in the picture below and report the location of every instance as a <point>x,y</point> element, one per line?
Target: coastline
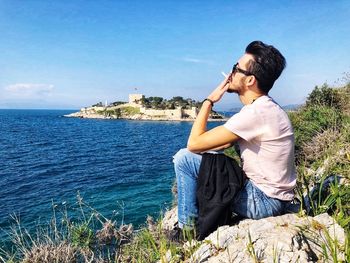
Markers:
<point>136,117</point>
<point>147,109</point>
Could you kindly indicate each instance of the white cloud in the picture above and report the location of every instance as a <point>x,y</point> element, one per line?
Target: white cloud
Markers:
<point>29,90</point>
<point>29,87</point>
<point>194,60</point>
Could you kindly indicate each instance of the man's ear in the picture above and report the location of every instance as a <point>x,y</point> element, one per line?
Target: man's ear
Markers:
<point>250,80</point>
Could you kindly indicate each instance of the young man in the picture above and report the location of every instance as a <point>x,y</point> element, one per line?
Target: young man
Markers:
<point>261,129</point>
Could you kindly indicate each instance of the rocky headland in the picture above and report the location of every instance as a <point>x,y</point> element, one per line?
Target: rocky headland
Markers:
<point>141,108</point>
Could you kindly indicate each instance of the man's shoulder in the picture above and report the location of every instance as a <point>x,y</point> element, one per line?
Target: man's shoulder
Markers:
<point>257,113</point>
<point>268,105</point>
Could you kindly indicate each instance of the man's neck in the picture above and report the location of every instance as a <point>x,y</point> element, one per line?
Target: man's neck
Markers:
<point>248,97</point>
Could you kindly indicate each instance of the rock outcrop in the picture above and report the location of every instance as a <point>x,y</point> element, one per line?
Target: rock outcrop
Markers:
<point>286,238</point>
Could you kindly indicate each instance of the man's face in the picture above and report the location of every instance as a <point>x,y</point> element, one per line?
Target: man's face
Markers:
<point>236,80</point>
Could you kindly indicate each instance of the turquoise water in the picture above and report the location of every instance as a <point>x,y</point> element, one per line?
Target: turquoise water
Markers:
<point>121,168</point>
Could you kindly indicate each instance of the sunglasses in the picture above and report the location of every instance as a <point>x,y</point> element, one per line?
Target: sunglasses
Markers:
<point>236,69</point>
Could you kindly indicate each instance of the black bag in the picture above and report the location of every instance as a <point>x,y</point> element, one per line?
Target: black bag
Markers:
<point>219,180</point>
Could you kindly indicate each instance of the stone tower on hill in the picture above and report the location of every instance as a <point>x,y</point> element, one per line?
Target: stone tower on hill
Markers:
<point>135,99</point>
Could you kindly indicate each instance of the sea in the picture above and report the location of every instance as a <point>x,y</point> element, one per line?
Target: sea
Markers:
<point>121,169</point>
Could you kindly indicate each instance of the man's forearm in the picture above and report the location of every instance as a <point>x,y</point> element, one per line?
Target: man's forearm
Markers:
<point>200,124</point>
<point>222,147</point>
<point>197,140</point>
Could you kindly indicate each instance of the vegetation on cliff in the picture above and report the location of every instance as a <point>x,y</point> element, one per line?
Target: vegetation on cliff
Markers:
<point>124,110</point>
<point>164,104</point>
<point>159,103</point>
<point>322,131</point>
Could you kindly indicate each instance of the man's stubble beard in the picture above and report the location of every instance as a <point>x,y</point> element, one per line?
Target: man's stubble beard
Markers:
<point>236,89</point>
<point>231,91</point>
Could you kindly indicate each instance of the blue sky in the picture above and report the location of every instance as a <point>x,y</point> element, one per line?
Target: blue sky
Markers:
<point>70,54</point>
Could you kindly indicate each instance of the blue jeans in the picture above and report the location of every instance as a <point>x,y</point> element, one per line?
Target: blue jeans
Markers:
<point>250,202</point>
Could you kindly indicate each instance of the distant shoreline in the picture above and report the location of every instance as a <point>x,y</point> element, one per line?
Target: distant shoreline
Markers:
<point>138,117</point>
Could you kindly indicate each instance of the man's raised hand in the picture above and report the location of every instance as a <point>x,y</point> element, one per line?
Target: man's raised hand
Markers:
<point>217,94</point>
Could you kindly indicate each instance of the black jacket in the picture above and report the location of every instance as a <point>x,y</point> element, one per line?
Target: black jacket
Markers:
<point>219,180</point>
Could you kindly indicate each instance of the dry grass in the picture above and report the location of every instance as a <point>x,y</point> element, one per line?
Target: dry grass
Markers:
<point>62,252</point>
<point>344,94</point>
<point>319,145</point>
<point>93,238</point>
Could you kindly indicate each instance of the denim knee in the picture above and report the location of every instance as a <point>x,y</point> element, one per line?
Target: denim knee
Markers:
<point>187,162</point>
<point>180,156</point>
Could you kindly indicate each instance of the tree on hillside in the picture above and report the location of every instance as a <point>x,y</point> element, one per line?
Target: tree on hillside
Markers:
<point>116,103</point>
<point>177,101</point>
<point>99,104</point>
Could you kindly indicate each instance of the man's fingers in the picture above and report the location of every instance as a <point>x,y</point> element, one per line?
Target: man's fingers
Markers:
<point>227,80</point>
<point>225,86</point>
<point>220,90</point>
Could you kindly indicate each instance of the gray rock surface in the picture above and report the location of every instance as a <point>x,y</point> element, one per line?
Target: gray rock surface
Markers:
<point>286,238</point>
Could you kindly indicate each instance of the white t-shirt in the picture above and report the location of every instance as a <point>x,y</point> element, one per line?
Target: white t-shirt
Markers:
<point>267,146</point>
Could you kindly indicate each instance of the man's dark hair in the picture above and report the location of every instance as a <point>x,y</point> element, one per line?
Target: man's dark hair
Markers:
<point>267,66</point>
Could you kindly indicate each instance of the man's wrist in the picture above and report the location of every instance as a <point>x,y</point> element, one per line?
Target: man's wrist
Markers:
<point>211,102</point>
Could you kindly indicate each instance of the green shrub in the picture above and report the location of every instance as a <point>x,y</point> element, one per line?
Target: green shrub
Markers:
<point>144,248</point>
<point>309,121</point>
<point>101,112</point>
<point>130,110</point>
<point>324,96</point>
<point>82,236</point>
